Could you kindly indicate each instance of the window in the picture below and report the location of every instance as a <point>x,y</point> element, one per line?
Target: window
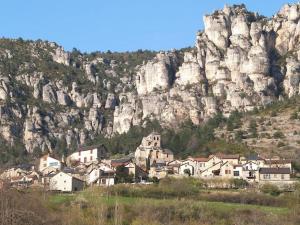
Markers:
<point>275,175</point>
<point>53,164</point>
<point>236,173</point>
<point>157,154</point>
<point>84,160</point>
<point>79,153</point>
<point>91,151</point>
<point>167,155</point>
<point>91,158</point>
<point>227,171</point>
<point>282,176</point>
<point>266,176</point>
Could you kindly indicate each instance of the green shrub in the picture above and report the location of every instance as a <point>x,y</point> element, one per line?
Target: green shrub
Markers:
<point>278,135</point>
<point>270,189</point>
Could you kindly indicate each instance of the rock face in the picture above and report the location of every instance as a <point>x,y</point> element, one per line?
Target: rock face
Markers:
<point>240,61</point>
<point>156,74</point>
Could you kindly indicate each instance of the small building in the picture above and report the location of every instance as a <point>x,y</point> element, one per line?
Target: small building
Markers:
<point>274,174</point>
<point>24,181</point>
<point>150,151</point>
<point>226,170</point>
<point>238,171</point>
<point>120,162</point>
<point>101,175</point>
<point>158,170</point>
<point>47,161</point>
<point>65,182</point>
<point>278,163</point>
<point>250,171</point>
<point>233,159</point>
<point>173,167</point>
<point>87,155</point>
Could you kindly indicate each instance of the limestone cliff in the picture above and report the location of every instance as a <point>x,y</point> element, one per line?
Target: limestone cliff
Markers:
<point>241,60</point>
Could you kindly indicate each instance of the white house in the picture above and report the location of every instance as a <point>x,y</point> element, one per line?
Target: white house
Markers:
<point>66,183</point>
<point>250,171</point>
<point>47,161</point>
<point>274,175</point>
<point>102,175</point>
<point>88,154</point>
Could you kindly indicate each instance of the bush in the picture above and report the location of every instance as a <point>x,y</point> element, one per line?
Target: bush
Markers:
<point>239,183</point>
<point>270,189</point>
<point>253,129</point>
<point>278,134</point>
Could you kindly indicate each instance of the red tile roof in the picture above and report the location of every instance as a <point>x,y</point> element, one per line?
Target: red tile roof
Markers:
<point>200,159</point>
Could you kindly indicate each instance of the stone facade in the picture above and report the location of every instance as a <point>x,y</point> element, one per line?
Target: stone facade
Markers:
<point>150,151</point>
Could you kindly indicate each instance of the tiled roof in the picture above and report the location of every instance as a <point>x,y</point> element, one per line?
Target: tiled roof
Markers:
<point>201,159</point>
<point>225,156</point>
<point>120,162</point>
<point>277,161</point>
<point>274,170</point>
<point>254,157</point>
<point>88,147</point>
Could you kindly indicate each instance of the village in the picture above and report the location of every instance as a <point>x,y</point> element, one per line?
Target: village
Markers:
<point>92,166</point>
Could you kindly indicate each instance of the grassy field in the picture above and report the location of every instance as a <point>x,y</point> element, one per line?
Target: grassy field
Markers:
<point>88,206</point>
<point>58,199</point>
<point>170,202</point>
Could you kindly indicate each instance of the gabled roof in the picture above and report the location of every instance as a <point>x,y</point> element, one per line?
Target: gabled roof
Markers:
<point>252,162</point>
<point>70,175</point>
<point>120,162</point>
<point>85,148</point>
<point>274,170</point>
<point>201,159</point>
<point>254,157</point>
<point>225,156</point>
<point>212,166</point>
<point>277,161</point>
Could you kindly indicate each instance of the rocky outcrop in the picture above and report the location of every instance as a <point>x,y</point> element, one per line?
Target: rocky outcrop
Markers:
<point>59,55</point>
<point>157,74</point>
<point>241,60</point>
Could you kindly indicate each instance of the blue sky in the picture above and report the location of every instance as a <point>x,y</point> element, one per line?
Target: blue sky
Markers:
<point>116,25</point>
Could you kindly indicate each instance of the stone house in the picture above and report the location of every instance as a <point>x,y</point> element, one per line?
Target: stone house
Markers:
<point>200,165</point>
<point>150,151</point>
<point>173,166</point>
<point>139,174</point>
<point>226,170</point>
<point>158,170</point>
<point>24,181</point>
<point>212,171</point>
<point>274,175</point>
<point>233,159</point>
<point>278,163</point>
<point>65,182</point>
